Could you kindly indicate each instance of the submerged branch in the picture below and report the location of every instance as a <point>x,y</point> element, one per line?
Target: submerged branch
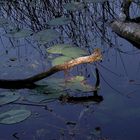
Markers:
<point>76,100</point>
<point>29,82</point>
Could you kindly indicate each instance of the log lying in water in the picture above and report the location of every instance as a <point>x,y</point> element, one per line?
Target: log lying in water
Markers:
<point>128,30</point>
<point>29,82</point>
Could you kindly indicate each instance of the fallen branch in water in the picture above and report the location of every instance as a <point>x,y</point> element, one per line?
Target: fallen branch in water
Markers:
<point>128,30</point>
<point>127,27</point>
<point>27,82</point>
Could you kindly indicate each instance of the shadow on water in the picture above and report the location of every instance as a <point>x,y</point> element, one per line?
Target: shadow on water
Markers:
<point>110,111</point>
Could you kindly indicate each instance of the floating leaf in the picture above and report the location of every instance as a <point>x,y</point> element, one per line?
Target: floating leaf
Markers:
<point>46,36</point>
<point>56,86</point>
<point>77,86</point>
<point>59,21</point>
<point>50,86</point>
<point>57,49</point>
<point>8,97</point>
<point>60,60</point>
<point>74,6</point>
<point>52,81</point>
<point>43,98</point>
<point>14,116</point>
<point>37,98</point>
<point>47,92</point>
<point>77,79</point>
<point>21,33</point>
<point>67,50</point>
<point>73,52</point>
<point>77,83</point>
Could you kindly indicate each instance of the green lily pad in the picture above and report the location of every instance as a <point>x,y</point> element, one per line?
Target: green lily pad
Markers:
<point>8,97</point>
<point>59,21</point>
<point>52,81</point>
<point>43,98</point>
<point>54,87</point>
<point>46,92</point>
<point>57,49</point>
<point>73,52</point>
<point>21,33</point>
<point>60,60</point>
<point>67,50</point>
<point>74,6</point>
<point>46,36</point>
<point>39,98</point>
<point>77,83</point>
<point>77,79</point>
<point>14,116</point>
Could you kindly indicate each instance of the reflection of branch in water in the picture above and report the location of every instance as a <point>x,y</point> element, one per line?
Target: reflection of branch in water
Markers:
<point>36,16</point>
<point>84,99</point>
<point>97,78</point>
<point>71,99</point>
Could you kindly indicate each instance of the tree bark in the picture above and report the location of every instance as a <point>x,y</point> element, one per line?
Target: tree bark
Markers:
<point>127,30</point>
<point>29,82</point>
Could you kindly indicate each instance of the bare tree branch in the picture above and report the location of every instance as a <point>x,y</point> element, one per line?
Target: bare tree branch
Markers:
<point>12,83</point>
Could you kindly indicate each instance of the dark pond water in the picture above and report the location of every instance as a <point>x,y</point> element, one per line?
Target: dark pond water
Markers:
<point>116,117</point>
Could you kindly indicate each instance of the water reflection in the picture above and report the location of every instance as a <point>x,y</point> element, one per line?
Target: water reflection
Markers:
<point>117,81</point>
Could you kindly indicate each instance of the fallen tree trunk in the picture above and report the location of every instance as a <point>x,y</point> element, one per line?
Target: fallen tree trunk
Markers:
<point>128,30</point>
<point>125,26</point>
<point>29,82</point>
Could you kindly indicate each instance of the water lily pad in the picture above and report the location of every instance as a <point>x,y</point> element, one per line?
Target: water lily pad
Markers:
<point>39,98</point>
<point>67,50</point>
<point>73,52</point>
<point>14,116</point>
<point>54,87</point>
<point>46,36</point>
<point>43,93</point>
<point>52,81</point>
<point>74,6</point>
<point>21,33</point>
<point>57,49</point>
<point>78,83</point>
<point>8,97</point>
<point>60,60</point>
<point>59,21</point>
<point>43,98</point>
<point>77,79</point>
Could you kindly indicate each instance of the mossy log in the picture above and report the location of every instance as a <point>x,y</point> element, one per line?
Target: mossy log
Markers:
<point>29,82</point>
<point>128,30</point>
